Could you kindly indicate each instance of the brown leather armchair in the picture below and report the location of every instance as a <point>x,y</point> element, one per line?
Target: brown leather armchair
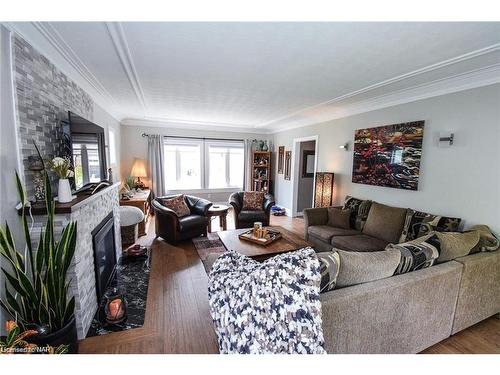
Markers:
<point>172,228</point>
<point>245,219</point>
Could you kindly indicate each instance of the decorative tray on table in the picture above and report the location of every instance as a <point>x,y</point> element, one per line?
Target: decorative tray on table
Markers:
<point>270,237</point>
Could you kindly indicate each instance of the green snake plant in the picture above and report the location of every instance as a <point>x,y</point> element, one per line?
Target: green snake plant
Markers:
<point>36,289</point>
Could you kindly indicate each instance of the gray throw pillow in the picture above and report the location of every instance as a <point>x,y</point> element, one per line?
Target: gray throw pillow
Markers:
<point>455,244</point>
<point>385,222</point>
<point>363,267</point>
<point>339,218</point>
<point>329,265</point>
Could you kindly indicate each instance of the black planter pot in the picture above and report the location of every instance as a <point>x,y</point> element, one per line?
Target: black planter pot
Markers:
<point>67,335</point>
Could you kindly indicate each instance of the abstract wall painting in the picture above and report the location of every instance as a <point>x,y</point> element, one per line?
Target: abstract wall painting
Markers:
<point>388,155</point>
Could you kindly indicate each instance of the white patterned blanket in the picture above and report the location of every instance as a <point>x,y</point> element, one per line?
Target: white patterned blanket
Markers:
<point>269,307</point>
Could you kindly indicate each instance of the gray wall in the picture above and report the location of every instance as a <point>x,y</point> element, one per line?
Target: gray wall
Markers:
<point>34,93</point>
<point>305,184</point>
<point>44,95</point>
<point>135,146</point>
<point>462,180</point>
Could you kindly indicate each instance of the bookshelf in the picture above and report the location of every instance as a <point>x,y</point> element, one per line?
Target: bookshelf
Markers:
<point>261,163</point>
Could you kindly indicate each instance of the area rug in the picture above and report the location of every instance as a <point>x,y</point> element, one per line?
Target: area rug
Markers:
<point>208,245</point>
<point>132,280</point>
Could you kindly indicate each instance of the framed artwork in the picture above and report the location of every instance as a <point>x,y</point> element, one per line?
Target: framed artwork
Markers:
<point>281,157</point>
<point>388,155</point>
<point>288,160</point>
<point>308,163</point>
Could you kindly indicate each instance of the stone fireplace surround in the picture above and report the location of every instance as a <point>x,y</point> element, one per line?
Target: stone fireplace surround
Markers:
<point>88,213</point>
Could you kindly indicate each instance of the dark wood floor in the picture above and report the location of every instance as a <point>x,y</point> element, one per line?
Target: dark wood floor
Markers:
<point>178,318</point>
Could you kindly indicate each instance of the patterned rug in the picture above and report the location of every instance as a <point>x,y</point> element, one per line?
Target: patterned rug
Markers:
<point>208,245</point>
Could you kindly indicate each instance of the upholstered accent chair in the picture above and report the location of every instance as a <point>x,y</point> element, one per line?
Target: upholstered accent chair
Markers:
<point>246,218</point>
<point>173,228</point>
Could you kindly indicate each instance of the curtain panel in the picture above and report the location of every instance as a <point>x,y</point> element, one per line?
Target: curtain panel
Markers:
<point>156,164</point>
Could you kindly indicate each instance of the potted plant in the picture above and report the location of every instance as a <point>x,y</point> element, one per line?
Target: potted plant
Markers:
<point>16,342</point>
<point>61,167</point>
<point>36,289</point>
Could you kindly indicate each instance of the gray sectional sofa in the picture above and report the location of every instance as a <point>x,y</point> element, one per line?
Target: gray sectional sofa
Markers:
<point>405,313</point>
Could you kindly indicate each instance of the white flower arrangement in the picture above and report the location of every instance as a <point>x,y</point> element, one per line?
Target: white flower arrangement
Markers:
<point>60,166</point>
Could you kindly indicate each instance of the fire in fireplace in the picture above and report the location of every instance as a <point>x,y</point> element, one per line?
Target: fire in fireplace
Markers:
<point>103,242</point>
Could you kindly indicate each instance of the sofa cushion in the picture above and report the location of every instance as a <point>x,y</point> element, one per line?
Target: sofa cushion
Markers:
<point>339,218</point>
<point>191,222</point>
<point>417,254</point>
<point>359,211</point>
<point>177,204</point>
<point>253,200</point>
<point>418,223</point>
<point>385,222</point>
<point>326,232</point>
<point>329,265</point>
<point>359,242</point>
<point>359,267</point>
<point>251,216</point>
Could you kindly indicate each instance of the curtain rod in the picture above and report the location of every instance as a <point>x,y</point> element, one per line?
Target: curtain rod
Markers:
<point>209,139</point>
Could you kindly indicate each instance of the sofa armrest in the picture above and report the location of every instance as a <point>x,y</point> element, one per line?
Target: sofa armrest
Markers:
<point>235,202</point>
<point>166,218</point>
<point>268,203</point>
<point>479,296</point>
<point>314,216</point>
<point>401,314</point>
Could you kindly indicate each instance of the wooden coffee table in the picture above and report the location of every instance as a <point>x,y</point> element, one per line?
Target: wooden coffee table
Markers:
<point>289,241</point>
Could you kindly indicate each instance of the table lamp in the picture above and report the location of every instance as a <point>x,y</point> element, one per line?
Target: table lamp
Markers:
<point>139,170</point>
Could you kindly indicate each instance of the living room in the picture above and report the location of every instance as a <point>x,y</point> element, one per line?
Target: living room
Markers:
<point>250,187</point>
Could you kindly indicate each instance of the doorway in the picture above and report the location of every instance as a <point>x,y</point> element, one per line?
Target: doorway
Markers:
<point>305,151</point>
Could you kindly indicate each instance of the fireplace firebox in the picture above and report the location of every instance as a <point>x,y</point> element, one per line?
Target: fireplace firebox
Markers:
<point>103,242</point>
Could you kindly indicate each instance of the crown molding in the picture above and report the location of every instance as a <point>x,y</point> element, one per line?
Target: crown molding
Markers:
<point>191,125</point>
<point>486,76</point>
<point>58,42</point>
<point>122,49</point>
<point>69,62</point>
<point>454,60</point>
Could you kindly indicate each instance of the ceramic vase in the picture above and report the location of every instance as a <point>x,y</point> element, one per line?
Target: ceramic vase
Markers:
<point>64,192</point>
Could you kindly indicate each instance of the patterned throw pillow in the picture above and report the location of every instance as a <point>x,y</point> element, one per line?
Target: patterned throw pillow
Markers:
<point>252,200</point>
<point>329,265</point>
<point>178,205</point>
<point>268,307</point>
<point>418,224</point>
<point>359,211</point>
<point>417,254</point>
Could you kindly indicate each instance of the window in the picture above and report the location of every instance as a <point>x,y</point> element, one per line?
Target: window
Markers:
<point>86,159</point>
<point>183,164</point>
<point>225,164</point>
<point>192,164</point>
<point>112,146</point>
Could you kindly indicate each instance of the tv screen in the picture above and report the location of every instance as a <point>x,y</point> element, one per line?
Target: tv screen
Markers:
<point>84,143</point>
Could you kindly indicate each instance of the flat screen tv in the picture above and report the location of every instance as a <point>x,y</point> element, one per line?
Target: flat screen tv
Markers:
<point>84,144</point>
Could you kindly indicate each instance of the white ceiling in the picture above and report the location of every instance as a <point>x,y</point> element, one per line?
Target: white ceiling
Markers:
<point>266,76</point>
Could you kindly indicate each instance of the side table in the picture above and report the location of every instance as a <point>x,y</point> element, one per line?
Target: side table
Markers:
<point>221,211</point>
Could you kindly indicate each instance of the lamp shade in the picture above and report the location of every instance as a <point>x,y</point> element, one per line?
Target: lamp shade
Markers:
<point>323,193</point>
<point>138,168</point>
